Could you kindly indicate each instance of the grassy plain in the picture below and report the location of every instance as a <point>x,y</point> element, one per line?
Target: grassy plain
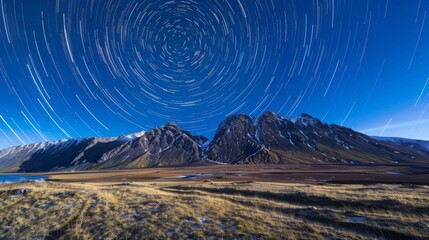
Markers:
<point>212,209</point>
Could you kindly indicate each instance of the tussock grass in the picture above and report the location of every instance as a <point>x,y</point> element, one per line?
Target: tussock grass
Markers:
<point>212,210</point>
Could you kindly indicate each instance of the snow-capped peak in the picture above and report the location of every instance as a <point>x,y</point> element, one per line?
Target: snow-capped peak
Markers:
<point>305,120</point>
<point>132,136</point>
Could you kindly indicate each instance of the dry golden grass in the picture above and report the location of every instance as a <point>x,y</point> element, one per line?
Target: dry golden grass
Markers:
<point>212,210</point>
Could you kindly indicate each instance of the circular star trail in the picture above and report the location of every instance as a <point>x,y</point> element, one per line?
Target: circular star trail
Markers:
<point>108,67</point>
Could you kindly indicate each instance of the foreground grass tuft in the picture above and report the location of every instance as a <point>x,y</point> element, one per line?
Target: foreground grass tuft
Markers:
<point>212,210</point>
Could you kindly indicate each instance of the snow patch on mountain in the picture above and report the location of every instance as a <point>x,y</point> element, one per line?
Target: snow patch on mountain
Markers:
<point>132,136</point>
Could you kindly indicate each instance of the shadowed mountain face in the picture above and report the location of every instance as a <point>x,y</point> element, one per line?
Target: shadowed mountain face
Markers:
<point>72,154</point>
<point>240,139</point>
<point>306,139</point>
<point>237,141</point>
<point>274,139</point>
<point>163,146</point>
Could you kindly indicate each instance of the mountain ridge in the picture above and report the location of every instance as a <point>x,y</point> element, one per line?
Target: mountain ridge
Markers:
<point>239,139</point>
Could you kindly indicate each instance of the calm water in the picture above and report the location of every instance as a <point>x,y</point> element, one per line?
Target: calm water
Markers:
<point>19,178</point>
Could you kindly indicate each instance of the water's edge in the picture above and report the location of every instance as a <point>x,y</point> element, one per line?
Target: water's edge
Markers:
<point>14,178</point>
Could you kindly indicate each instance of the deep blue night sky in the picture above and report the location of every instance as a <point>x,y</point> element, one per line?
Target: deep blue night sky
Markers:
<point>109,67</point>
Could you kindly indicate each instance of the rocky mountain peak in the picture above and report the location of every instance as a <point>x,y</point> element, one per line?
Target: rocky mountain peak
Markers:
<point>270,115</point>
<point>305,115</point>
<point>307,120</point>
<point>172,125</point>
<point>239,139</point>
<point>230,121</point>
<point>237,123</point>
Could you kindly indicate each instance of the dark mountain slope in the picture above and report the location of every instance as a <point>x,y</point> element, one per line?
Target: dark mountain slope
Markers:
<point>273,139</point>
<point>163,146</point>
<point>236,141</point>
<point>239,139</point>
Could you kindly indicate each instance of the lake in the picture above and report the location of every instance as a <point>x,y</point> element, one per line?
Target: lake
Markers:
<point>10,178</point>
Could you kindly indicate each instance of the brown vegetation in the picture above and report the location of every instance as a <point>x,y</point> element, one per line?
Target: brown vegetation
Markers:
<point>211,209</point>
<point>286,173</point>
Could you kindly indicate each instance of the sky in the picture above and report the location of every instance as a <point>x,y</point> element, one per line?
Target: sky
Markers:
<point>72,69</point>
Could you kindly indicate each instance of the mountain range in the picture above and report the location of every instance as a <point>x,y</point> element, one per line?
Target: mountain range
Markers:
<point>239,139</point>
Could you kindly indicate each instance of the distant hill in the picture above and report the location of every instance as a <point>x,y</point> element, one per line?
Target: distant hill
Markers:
<point>239,139</point>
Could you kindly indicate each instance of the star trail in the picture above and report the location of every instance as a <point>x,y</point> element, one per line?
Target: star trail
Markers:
<point>110,67</point>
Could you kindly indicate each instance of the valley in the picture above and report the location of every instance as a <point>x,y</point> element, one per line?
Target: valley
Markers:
<point>269,177</point>
<point>281,173</point>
